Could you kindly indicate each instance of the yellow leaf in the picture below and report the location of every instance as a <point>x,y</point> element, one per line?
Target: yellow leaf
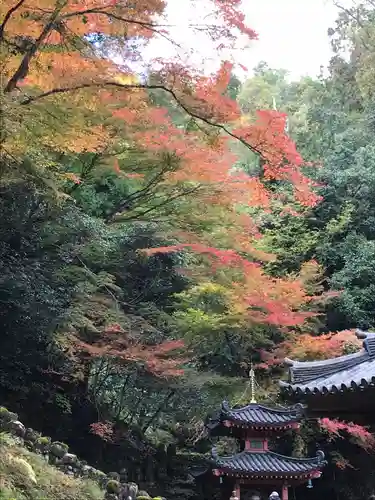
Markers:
<point>126,79</point>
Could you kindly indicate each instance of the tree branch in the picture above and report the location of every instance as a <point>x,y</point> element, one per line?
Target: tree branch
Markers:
<point>86,170</point>
<point>110,15</point>
<point>101,376</point>
<point>162,204</point>
<point>128,203</point>
<point>8,15</point>
<point>23,68</point>
<point>171,92</point>
<point>120,401</point>
<point>162,406</point>
<point>150,26</point>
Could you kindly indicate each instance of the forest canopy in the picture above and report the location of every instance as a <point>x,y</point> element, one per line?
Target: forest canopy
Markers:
<point>164,227</point>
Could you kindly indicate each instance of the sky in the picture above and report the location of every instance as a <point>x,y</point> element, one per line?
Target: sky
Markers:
<point>292,34</point>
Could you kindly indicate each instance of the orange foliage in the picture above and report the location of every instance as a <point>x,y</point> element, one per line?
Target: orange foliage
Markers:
<point>81,17</point>
<point>264,300</point>
<point>358,433</point>
<point>54,63</point>
<point>282,160</point>
<point>309,347</point>
<point>233,17</point>
<point>161,360</point>
<point>103,429</point>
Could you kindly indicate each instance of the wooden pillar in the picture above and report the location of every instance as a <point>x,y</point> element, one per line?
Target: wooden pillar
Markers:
<point>284,494</point>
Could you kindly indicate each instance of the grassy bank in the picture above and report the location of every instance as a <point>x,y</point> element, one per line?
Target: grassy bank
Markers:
<point>27,476</point>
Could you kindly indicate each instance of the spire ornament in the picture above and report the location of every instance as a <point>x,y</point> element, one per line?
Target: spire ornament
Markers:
<point>252,384</point>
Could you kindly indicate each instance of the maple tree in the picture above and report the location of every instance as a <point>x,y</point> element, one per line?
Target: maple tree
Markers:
<point>310,347</point>
<point>262,299</point>
<point>125,141</point>
<point>360,434</point>
<point>102,429</point>
<point>57,38</point>
<point>329,345</point>
<point>63,92</point>
<point>162,360</point>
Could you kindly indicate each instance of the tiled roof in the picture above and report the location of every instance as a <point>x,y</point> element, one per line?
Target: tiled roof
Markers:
<point>332,375</point>
<point>267,463</point>
<point>255,414</point>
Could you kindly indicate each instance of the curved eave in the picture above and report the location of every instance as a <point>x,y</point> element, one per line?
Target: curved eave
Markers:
<point>242,422</point>
<point>241,432</point>
<point>313,474</point>
<point>301,372</point>
<point>249,464</point>
<point>294,411</point>
<point>293,363</point>
<point>260,417</point>
<point>347,368</point>
<point>321,390</point>
<point>261,427</point>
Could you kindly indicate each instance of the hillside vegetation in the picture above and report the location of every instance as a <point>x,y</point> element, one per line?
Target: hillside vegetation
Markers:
<point>163,230</point>
<point>27,476</point>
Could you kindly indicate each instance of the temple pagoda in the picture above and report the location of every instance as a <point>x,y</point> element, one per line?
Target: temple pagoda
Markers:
<point>342,387</point>
<point>256,465</point>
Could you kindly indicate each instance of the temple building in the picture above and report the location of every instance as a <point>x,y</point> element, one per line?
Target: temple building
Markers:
<point>256,466</point>
<point>342,387</point>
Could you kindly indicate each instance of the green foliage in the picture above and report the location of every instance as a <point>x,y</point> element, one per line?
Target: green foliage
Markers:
<point>222,341</point>
<point>32,296</point>
<point>71,268</point>
<point>280,238</point>
<point>264,90</point>
<point>6,416</point>
<point>331,120</point>
<point>44,440</point>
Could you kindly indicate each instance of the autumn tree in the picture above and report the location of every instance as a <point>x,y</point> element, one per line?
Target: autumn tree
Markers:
<point>104,107</point>
<point>163,263</point>
<point>59,37</point>
<point>124,150</point>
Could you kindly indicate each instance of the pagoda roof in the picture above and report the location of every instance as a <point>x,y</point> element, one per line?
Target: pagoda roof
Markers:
<point>258,416</point>
<point>336,374</point>
<point>268,463</point>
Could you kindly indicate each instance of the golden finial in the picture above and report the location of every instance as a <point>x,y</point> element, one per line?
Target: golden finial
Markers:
<point>252,384</point>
